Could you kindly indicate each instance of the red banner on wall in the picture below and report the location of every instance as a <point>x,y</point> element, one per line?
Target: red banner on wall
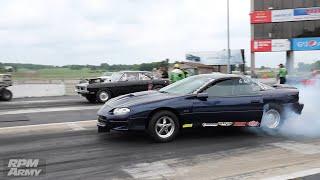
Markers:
<point>261,17</point>
<point>261,45</point>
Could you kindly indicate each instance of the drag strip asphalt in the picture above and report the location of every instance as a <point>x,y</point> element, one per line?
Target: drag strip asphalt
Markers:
<point>44,102</point>
<point>64,135</point>
<point>31,111</point>
<point>76,151</point>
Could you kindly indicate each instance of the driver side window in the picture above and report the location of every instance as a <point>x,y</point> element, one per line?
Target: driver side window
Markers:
<point>221,89</point>
<point>143,77</point>
<point>129,77</point>
<point>245,87</point>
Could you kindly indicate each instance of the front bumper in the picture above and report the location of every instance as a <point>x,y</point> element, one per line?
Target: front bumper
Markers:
<point>81,90</point>
<point>112,124</point>
<point>294,107</point>
<point>298,107</point>
<point>121,124</point>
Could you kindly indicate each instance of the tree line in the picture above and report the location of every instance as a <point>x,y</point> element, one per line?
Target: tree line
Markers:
<point>102,67</point>
<point>308,67</point>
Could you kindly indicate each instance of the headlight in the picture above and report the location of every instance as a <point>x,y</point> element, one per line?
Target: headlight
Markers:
<point>121,111</point>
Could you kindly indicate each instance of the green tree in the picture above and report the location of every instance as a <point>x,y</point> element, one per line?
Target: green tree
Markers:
<point>304,67</point>
<point>316,65</point>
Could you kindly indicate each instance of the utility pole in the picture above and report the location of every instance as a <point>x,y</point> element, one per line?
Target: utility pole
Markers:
<point>228,32</point>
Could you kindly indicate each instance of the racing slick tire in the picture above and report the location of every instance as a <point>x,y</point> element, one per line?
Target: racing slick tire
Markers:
<point>163,126</point>
<point>103,96</point>
<point>272,118</point>
<point>91,98</point>
<point>157,88</point>
<point>6,95</point>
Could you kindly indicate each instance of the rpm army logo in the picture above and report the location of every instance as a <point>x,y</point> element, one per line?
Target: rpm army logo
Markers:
<point>24,167</point>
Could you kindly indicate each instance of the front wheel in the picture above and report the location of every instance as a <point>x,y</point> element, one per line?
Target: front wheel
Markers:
<point>103,96</point>
<point>163,126</point>
<point>6,95</point>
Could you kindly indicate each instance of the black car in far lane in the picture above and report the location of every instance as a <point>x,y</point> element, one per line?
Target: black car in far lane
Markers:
<point>209,100</point>
<point>120,83</point>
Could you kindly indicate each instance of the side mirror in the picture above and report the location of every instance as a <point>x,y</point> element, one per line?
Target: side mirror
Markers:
<point>203,96</point>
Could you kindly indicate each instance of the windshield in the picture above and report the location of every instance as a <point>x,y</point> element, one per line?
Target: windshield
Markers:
<point>116,76</point>
<point>106,74</point>
<point>187,86</point>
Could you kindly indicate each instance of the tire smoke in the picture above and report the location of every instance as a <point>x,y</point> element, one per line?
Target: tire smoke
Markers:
<point>308,123</point>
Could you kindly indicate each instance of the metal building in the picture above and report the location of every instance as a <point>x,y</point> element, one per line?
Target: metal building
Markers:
<point>284,26</point>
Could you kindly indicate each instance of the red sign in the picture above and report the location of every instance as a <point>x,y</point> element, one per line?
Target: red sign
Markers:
<point>261,17</point>
<point>261,45</point>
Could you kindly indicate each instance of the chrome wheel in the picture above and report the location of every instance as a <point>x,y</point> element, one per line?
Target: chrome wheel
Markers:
<point>104,96</point>
<point>164,127</point>
<point>271,119</point>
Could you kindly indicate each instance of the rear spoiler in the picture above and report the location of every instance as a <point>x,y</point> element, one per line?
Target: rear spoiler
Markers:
<point>283,86</point>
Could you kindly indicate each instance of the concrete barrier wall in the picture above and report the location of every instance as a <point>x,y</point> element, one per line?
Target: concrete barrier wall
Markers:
<point>43,88</point>
<point>37,90</point>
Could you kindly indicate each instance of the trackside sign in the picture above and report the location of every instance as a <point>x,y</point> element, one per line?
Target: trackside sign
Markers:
<point>285,15</point>
<point>270,45</point>
<point>305,44</point>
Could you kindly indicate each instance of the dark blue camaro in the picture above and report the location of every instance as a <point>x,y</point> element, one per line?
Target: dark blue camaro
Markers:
<point>208,100</point>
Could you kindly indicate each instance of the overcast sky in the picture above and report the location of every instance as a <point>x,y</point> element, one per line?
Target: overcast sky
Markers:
<point>63,32</point>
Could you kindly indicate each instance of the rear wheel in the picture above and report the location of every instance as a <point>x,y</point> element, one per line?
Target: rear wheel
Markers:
<point>157,88</point>
<point>272,118</point>
<point>6,95</point>
<point>163,126</point>
<point>103,96</point>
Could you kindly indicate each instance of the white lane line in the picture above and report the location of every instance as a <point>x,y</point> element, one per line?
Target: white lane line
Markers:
<point>154,170</point>
<point>307,149</point>
<point>39,110</point>
<point>296,175</point>
<point>39,126</point>
<point>75,126</point>
<point>48,128</point>
<point>39,101</point>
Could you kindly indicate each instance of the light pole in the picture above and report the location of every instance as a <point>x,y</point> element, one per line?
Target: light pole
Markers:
<point>228,34</point>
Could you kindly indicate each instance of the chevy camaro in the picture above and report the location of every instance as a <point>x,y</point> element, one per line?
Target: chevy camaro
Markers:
<point>209,100</point>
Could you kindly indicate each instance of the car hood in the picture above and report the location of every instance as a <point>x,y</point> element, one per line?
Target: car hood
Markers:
<point>139,98</point>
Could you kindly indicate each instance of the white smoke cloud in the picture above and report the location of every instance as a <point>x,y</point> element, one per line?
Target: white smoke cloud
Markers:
<point>308,123</point>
